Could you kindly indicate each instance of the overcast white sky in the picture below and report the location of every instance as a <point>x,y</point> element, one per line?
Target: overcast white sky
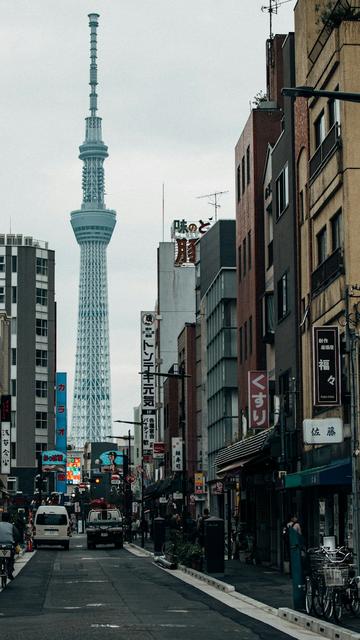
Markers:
<point>175,82</point>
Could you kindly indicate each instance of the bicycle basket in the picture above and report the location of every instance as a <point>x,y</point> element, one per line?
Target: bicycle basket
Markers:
<point>336,576</point>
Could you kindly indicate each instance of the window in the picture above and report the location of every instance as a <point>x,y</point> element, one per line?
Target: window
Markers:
<point>241,344</point>
<point>321,245</point>
<point>284,389</point>
<point>334,110</point>
<point>2,264</point>
<point>41,327</point>
<point>41,420</point>
<point>13,387</point>
<point>245,341</point>
<point>2,295</point>
<point>13,295</point>
<point>14,264</point>
<point>13,356</point>
<point>243,174</point>
<point>250,334</point>
<point>249,250</point>
<point>282,191</point>
<point>239,262</point>
<point>41,266</point>
<point>301,207</point>
<point>41,358</point>
<point>41,388</point>
<point>268,320</point>
<point>41,297</point>
<point>238,184</point>
<point>244,256</point>
<point>39,448</point>
<point>13,325</point>
<point>319,129</point>
<point>282,291</point>
<point>336,231</point>
<point>248,165</point>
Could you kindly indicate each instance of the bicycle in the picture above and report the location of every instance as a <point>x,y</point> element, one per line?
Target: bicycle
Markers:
<point>5,563</point>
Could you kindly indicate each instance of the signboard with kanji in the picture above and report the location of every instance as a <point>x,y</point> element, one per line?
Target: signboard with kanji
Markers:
<point>199,482</point>
<point>5,448</point>
<point>186,234</point>
<point>323,431</point>
<point>258,390</point>
<point>53,461</point>
<point>60,421</point>
<point>177,454</point>
<point>327,388</point>
<point>148,379</point>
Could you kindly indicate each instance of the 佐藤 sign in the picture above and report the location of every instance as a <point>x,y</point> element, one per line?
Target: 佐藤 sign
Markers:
<point>258,390</point>
<point>326,366</point>
<point>323,431</point>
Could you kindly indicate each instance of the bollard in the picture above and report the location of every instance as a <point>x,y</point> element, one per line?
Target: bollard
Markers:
<point>297,572</point>
<point>159,536</point>
<point>214,545</point>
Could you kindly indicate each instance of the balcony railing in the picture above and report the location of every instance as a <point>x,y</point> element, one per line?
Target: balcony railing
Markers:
<point>327,271</point>
<point>324,150</point>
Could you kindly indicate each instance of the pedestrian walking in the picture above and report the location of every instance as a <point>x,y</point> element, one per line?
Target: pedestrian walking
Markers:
<point>201,526</point>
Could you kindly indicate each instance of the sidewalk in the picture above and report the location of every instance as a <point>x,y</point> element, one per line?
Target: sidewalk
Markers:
<point>264,584</point>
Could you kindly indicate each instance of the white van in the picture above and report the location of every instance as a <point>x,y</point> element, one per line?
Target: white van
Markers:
<point>52,526</point>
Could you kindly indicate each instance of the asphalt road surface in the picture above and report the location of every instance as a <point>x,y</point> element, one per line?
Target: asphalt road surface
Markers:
<point>108,594</point>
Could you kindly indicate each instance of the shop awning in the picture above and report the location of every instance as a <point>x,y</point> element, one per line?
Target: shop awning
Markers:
<point>335,473</point>
<point>240,453</point>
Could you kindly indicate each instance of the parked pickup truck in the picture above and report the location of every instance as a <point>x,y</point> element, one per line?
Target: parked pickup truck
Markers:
<point>104,526</point>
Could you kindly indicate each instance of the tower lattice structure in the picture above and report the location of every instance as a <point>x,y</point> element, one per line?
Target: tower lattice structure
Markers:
<point>93,226</point>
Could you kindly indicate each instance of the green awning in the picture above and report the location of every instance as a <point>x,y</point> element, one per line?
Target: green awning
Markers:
<point>335,473</point>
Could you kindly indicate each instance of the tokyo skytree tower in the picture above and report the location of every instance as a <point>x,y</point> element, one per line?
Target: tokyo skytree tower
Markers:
<point>93,226</point>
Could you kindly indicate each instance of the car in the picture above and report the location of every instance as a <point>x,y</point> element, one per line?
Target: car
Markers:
<point>51,526</point>
<point>104,526</point>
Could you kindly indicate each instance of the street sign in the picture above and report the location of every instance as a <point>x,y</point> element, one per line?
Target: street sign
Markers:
<point>115,482</point>
<point>258,398</point>
<point>323,431</point>
<point>326,366</point>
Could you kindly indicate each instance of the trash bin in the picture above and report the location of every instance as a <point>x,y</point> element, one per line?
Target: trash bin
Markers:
<point>159,535</point>
<point>214,545</point>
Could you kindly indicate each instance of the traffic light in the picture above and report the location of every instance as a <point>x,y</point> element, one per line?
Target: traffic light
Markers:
<point>96,479</point>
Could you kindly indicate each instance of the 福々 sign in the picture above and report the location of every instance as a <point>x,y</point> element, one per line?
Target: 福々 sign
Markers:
<point>323,431</point>
<point>186,235</point>
<point>177,454</point>
<point>326,367</point>
<point>148,390</point>
<point>258,390</point>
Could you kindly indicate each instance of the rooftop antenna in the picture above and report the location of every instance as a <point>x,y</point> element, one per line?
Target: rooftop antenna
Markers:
<point>271,8</point>
<point>215,203</point>
<point>163,212</point>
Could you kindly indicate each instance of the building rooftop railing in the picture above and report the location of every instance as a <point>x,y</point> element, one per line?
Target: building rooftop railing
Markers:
<point>18,240</point>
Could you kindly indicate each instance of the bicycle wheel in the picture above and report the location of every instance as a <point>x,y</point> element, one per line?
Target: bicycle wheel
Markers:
<point>338,606</point>
<point>354,602</point>
<point>318,598</point>
<point>328,603</point>
<point>309,595</point>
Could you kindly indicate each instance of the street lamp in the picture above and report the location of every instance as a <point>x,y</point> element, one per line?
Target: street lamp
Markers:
<point>180,375</point>
<point>140,423</point>
<point>351,338</point>
<point>127,484</point>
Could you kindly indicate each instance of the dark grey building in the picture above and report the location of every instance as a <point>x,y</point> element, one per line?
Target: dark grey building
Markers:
<point>218,294</point>
<point>285,261</point>
<point>28,298</point>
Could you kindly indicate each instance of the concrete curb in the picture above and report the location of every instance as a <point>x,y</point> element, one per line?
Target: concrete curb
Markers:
<point>321,627</point>
<point>214,582</point>
<point>136,546</point>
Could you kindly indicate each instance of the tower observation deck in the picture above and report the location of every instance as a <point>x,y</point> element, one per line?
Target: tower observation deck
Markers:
<point>93,226</point>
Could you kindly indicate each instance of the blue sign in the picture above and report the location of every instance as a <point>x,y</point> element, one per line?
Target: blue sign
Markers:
<point>61,422</point>
<point>111,459</point>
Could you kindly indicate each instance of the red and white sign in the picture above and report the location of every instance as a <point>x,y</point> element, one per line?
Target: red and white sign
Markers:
<point>159,450</point>
<point>258,390</point>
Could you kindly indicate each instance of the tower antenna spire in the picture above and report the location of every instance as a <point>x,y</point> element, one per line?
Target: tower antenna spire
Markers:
<point>93,24</point>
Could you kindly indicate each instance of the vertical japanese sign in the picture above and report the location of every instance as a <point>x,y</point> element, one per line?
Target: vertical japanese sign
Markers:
<point>186,234</point>
<point>5,434</point>
<point>199,483</point>
<point>177,454</point>
<point>258,390</point>
<point>148,397</point>
<point>326,349</point>
<point>61,424</point>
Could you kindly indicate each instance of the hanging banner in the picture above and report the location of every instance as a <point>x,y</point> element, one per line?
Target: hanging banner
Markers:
<point>148,380</point>
<point>326,350</point>
<point>5,448</point>
<point>177,454</point>
<point>258,390</point>
<point>61,423</point>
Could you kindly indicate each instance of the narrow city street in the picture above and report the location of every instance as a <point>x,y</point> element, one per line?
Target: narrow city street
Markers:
<point>109,593</point>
